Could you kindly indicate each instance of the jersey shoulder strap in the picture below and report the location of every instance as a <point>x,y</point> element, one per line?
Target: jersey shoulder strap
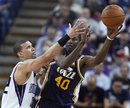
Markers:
<point>78,67</point>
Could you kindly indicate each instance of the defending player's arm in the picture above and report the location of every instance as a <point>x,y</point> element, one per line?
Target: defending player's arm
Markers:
<point>65,61</point>
<point>89,61</point>
<point>34,64</point>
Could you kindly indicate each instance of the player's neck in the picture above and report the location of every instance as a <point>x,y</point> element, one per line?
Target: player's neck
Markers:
<point>22,59</point>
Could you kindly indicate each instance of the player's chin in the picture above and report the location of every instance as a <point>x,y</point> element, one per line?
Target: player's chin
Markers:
<point>71,49</point>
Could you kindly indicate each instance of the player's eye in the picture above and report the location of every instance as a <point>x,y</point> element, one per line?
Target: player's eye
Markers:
<point>28,47</point>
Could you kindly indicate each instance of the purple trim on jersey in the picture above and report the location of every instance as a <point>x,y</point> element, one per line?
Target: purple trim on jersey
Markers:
<point>23,91</point>
<point>20,98</point>
<point>17,91</point>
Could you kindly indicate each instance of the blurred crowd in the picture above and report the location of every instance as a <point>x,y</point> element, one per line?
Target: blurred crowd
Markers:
<point>8,12</point>
<point>108,84</point>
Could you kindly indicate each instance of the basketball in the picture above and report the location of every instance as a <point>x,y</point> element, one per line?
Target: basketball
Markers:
<point>113,16</point>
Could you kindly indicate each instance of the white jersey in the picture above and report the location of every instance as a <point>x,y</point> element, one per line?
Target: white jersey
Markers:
<point>19,96</point>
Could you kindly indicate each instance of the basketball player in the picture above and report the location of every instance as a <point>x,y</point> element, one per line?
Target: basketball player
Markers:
<point>63,83</point>
<point>22,83</point>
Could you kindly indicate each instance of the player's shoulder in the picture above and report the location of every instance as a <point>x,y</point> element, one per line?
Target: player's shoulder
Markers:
<point>81,59</point>
<point>19,67</point>
<point>85,57</point>
<point>23,64</point>
<point>52,63</point>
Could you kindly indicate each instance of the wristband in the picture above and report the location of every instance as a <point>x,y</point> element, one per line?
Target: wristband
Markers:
<point>109,38</point>
<point>63,40</point>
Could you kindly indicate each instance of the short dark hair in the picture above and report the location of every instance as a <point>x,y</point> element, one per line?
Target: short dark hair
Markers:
<point>117,79</point>
<point>17,46</point>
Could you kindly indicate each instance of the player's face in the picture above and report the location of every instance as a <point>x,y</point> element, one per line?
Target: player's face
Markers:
<point>71,44</point>
<point>27,51</point>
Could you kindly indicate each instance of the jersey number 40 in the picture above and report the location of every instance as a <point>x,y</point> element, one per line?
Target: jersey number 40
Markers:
<point>62,83</point>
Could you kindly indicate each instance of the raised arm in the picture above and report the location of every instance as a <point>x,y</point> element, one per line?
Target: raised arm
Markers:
<point>65,61</point>
<point>34,64</point>
<point>89,61</point>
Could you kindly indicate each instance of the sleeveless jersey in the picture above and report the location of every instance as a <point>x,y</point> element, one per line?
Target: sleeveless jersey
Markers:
<point>19,96</point>
<point>62,88</point>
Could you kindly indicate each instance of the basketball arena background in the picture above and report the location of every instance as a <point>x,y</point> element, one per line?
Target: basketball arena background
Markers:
<point>43,22</point>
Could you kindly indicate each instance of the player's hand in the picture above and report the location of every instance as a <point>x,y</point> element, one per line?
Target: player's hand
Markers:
<point>113,32</point>
<point>79,28</point>
<point>85,38</point>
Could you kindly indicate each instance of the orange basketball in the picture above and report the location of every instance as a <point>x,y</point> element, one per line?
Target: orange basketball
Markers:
<point>113,15</point>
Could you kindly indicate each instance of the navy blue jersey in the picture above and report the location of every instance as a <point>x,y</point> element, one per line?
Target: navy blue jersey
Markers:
<point>62,87</point>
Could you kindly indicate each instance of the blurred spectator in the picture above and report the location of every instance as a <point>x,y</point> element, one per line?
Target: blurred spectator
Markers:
<point>124,4</point>
<point>124,42</point>
<point>16,6</point>
<point>125,72</point>
<point>113,2</point>
<point>5,6</point>
<point>75,5</point>
<point>92,5</point>
<point>69,15</point>
<point>49,39</point>
<point>80,2</point>
<point>102,29</point>
<point>101,26</point>
<point>119,59</point>
<point>95,5</point>
<point>127,13</point>
<point>56,20</point>
<point>102,80</point>
<point>127,23</point>
<point>120,49</point>
<point>8,11</point>
<point>94,21</point>
<point>86,13</point>
<point>108,60</point>
<point>116,97</point>
<point>124,75</point>
<point>91,96</point>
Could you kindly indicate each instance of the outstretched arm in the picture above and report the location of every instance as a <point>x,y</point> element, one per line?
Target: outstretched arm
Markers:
<point>93,61</point>
<point>89,61</point>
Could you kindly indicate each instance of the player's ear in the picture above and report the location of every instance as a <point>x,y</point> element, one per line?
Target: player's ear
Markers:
<point>20,54</point>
